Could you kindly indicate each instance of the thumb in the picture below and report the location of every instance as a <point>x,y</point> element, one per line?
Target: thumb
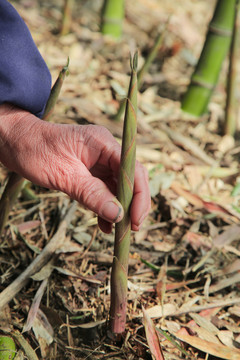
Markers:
<point>94,194</point>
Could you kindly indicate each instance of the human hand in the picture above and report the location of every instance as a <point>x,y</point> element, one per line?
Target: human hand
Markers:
<point>80,160</point>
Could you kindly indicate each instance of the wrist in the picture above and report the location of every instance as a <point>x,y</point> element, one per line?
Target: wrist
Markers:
<point>14,126</point>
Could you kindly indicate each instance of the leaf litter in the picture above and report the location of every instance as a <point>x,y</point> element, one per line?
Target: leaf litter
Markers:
<point>184,263</point>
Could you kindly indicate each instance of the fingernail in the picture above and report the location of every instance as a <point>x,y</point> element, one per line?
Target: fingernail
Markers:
<point>111,211</point>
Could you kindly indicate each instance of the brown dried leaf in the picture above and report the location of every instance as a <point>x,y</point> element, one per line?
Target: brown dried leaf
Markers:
<point>208,347</point>
<point>232,233</point>
<point>44,333</point>
<point>35,306</point>
<point>152,337</point>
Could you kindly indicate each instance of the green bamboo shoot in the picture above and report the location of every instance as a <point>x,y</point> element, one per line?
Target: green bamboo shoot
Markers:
<point>112,18</point>
<point>15,181</point>
<point>205,77</point>
<point>119,274</point>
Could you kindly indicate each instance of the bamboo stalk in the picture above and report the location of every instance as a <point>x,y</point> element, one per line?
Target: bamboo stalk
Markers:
<point>231,103</point>
<point>124,193</point>
<point>204,79</point>
<point>15,181</point>
<point>112,18</point>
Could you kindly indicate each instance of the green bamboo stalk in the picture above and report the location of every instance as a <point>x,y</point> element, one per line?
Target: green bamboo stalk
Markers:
<point>15,181</point>
<point>204,79</point>
<point>112,18</point>
<point>232,81</point>
<point>119,274</point>
<point>67,17</point>
<point>140,75</point>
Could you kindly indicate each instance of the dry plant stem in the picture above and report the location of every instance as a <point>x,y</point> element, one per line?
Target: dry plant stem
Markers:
<point>15,182</point>
<point>119,274</point>
<point>232,81</point>
<point>57,240</point>
<point>67,16</point>
<point>9,196</point>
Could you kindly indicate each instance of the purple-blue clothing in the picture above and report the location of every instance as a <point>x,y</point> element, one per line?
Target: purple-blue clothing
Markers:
<point>25,80</point>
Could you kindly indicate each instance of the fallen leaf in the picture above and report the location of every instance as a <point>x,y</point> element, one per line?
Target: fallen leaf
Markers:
<point>152,337</point>
<point>208,347</point>
<point>222,284</point>
<point>158,311</point>
<point>226,337</point>
<point>28,225</point>
<point>231,234</point>
<point>44,332</point>
<point>7,348</point>
<point>35,306</point>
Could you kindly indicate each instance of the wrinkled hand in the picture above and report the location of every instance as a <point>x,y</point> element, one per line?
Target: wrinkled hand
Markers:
<point>82,161</point>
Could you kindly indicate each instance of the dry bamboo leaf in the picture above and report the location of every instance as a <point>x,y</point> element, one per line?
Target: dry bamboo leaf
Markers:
<point>43,332</point>
<point>197,201</point>
<point>35,306</point>
<point>226,337</point>
<point>158,311</point>
<point>204,334</point>
<point>197,240</point>
<point>222,284</point>
<point>226,143</point>
<point>208,347</point>
<point>231,249</point>
<point>188,144</point>
<point>216,172</point>
<point>44,273</point>
<point>233,267</point>
<point>192,198</point>
<point>205,323</point>
<point>152,337</point>
<point>235,310</point>
<point>28,225</point>
<point>232,233</point>
<point>163,246</point>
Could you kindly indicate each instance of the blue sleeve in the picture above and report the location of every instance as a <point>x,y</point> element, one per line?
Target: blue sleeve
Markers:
<point>25,80</point>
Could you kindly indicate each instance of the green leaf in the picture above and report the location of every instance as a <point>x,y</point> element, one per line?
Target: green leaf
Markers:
<point>7,348</point>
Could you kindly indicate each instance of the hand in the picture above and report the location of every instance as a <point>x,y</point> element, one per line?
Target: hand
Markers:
<point>80,160</point>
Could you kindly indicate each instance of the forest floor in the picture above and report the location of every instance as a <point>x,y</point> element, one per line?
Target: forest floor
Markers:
<point>184,263</point>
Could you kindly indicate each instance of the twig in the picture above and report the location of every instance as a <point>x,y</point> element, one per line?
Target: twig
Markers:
<point>57,240</point>
<point>90,243</point>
